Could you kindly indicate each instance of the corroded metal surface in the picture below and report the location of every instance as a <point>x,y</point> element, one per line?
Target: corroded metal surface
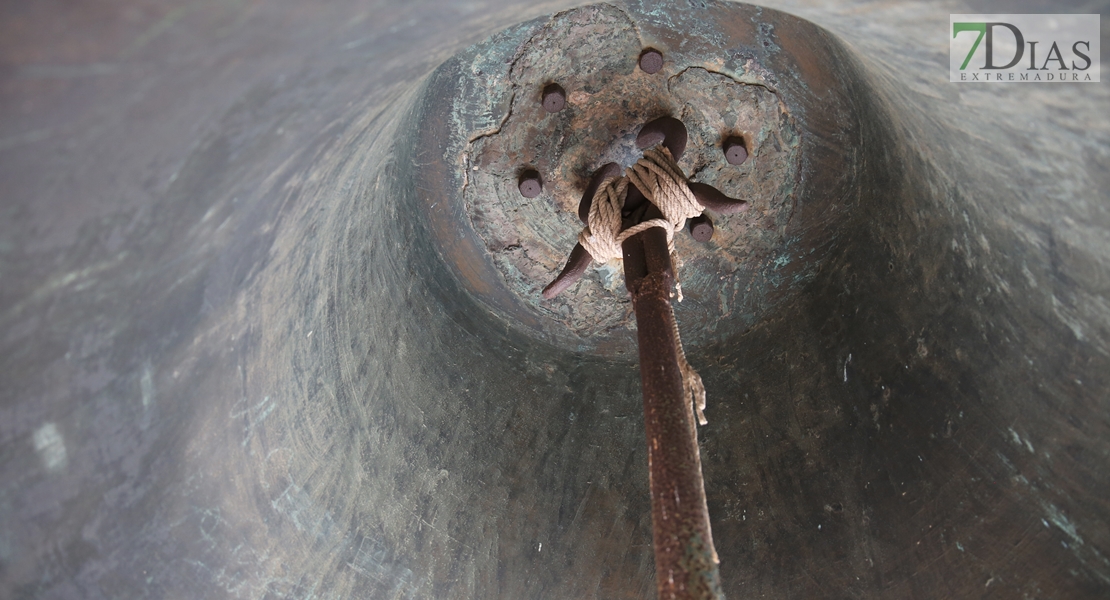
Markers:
<point>498,128</point>
<point>241,356</point>
<point>686,563</point>
<point>592,52</point>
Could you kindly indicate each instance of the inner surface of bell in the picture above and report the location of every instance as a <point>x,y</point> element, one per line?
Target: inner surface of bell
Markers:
<point>593,54</point>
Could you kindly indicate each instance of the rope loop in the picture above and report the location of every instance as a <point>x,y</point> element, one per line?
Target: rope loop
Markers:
<point>663,184</point>
<point>601,236</point>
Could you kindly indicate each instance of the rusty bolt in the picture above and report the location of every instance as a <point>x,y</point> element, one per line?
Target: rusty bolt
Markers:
<point>701,228</point>
<point>530,184</point>
<point>651,60</point>
<point>735,152</point>
<point>712,198</point>
<point>668,130</point>
<point>554,98</point>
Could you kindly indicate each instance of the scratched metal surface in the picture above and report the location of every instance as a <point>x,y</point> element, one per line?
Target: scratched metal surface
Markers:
<point>232,367</point>
<point>497,126</point>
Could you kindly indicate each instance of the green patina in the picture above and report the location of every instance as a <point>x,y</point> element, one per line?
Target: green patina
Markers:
<point>699,561</point>
<point>499,129</point>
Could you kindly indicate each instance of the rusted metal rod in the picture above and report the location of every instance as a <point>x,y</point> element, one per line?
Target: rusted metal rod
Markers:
<point>580,259</point>
<point>685,560</point>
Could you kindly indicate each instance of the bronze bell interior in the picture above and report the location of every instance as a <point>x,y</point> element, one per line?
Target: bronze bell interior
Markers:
<point>251,347</point>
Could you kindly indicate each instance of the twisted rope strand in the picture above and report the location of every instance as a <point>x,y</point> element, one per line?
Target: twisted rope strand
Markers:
<point>663,184</point>
<point>692,385</point>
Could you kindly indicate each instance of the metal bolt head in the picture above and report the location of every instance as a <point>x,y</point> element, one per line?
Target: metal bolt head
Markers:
<point>651,60</point>
<point>735,152</point>
<point>554,98</point>
<point>701,228</point>
<point>530,184</point>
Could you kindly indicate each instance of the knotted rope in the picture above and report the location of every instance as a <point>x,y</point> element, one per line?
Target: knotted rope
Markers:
<point>663,184</point>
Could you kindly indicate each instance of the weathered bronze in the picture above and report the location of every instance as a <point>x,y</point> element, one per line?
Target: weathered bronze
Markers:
<point>266,333</point>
